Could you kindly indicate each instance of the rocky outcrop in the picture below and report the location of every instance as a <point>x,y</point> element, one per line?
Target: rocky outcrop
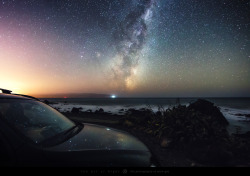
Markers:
<point>199,129</point>
<point>208,108</point>
<point>75,110</point>
<point>99,111</point>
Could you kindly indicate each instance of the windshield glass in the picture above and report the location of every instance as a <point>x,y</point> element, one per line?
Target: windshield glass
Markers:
<point>34,119</point>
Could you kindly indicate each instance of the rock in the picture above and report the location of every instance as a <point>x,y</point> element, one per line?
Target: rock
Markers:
<point>239,114</point>
<point>58,109</point>
<point>209,109</point>
<point>75,110</point>
<point>121,110</point>
<point>46,101</point>
<point>89,110</point>
<point>246,115</point>
<point>101,110</point>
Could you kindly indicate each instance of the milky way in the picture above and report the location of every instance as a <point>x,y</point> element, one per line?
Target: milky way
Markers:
<point>152,48</point>
<point>130,38</point>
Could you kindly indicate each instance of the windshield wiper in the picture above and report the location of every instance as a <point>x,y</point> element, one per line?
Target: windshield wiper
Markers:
<point>61,136</point>
<point>77,124</point>
<point>69,130</point>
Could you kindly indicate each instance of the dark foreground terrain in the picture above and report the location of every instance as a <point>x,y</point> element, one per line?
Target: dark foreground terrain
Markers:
<point>190,136</point>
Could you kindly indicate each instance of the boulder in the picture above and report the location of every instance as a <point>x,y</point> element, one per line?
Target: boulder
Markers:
<point>75,110</point>
<point>208,108</point>
<point>46,101</point>
<point>99,111</point>
<point>89,110</point>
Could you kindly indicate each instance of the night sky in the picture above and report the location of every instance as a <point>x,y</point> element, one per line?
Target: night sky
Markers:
<point>141,48</point>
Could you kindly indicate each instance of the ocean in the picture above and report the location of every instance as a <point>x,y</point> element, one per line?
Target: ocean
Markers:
<point>230,107</point>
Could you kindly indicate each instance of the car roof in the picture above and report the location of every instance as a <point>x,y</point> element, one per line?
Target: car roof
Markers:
<point>10,96</point>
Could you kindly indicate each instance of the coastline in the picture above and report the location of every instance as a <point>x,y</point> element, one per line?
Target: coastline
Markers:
<point>235,116</point>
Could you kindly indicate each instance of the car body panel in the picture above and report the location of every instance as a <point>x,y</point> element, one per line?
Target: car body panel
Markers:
<point>96,137</point>
<point>89,145</point>
<point>10,96</point>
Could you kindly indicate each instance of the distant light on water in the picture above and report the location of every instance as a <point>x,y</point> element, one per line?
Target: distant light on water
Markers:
<point>113,96</point>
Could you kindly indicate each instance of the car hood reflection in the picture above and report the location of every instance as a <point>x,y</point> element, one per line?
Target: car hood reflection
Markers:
<point>95,137</point>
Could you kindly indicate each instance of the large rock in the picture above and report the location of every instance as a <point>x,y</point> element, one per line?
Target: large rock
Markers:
<point>100,111</point>
<point>46,102</point>
<point>208,108</point>
<point>75,110</point>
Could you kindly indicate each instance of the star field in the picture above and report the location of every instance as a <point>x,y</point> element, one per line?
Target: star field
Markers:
<point>130,48</point>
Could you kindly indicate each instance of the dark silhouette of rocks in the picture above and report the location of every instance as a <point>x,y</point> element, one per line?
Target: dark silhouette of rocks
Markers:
<point>75,110</point>
<point>99,111</point>
<point>89,110</point>
<point>199,129</point>
<point>246,115</point>
<point>209,109</point>
<point>46,102</point>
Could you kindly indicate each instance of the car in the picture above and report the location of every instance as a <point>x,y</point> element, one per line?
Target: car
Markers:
<point>34,134</point>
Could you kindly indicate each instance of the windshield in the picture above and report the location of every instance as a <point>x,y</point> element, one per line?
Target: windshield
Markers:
<point>34,119</point>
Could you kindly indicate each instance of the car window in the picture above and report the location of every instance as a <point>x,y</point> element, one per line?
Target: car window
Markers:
<point>34,119</point>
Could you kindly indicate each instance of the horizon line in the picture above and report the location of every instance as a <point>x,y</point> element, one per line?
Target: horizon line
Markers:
<point>150,97</point>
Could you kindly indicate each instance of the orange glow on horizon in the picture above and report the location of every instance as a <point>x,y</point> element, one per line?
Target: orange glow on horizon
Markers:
<point>28,66</point>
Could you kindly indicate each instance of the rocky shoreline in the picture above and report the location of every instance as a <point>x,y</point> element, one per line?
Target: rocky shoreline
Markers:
<point>179,137</point>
